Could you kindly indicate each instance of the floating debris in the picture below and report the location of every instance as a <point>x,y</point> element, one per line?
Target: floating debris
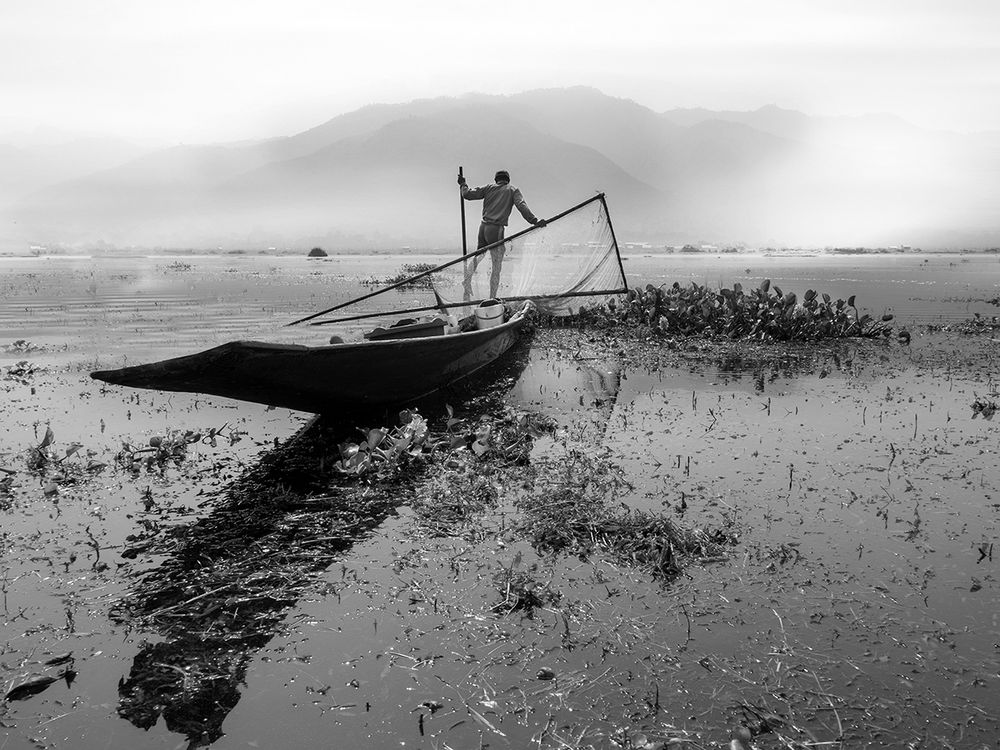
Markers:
<point>984,408</point>
<point>408,270</point>
<point>570,504</point>
<point>37,684</point>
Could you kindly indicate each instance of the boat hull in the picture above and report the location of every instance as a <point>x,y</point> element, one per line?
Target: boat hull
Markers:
<point>326,379</point>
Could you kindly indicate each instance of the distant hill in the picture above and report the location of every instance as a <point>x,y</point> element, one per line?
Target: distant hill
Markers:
<point>383,175</point>
<point>784,123</point>
<point>27,167</point>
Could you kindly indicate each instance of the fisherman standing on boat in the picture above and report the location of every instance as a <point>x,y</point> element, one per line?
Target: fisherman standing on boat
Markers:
<point>499,199</point>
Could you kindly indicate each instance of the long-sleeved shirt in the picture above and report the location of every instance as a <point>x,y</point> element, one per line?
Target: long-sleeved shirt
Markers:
<point>498,200</point>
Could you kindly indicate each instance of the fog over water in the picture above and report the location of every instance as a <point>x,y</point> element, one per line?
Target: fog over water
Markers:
<point>135,125</point>
<point>229,70</point>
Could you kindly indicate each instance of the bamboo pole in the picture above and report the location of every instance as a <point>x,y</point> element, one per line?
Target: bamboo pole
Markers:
<point>618,252</point>
<point>461,200</point>
<point>427,308</point>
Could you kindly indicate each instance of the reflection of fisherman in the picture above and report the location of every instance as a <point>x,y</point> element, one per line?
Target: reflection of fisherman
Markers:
<point>498,199</point>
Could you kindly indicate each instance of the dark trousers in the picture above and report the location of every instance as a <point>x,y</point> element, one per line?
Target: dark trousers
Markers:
<point>488,234</point>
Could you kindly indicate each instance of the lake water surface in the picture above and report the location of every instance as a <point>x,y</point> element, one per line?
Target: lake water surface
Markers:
<point>137,306</point>
<point>859,608</point>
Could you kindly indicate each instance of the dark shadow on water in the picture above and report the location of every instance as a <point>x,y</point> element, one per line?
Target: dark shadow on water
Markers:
<point>229,579</point>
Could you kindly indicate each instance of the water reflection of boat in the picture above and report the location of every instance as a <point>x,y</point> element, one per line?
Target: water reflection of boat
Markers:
<point>559,383</point>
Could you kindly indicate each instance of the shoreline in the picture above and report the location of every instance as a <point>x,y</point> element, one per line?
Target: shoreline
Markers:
<point>626,250</point>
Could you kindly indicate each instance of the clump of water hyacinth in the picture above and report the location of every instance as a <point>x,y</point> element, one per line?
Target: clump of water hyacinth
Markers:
<point>571,504</point>
<point>408,271</point>
<point>762,314</point>
<point>984,408</point>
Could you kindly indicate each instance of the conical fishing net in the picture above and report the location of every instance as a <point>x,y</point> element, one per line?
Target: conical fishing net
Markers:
<point>570,262</point>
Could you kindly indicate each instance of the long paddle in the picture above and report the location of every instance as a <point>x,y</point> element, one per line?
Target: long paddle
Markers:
<point>461,200</point>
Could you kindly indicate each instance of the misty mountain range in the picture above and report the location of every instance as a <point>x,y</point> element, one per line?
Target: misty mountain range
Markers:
<point>384,176</point>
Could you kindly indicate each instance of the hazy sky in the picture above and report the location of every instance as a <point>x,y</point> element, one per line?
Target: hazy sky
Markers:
<point>203,70</point>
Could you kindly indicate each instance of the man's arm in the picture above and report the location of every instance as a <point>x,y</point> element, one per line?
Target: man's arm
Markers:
<point>473,194</point>
<point>522,207</point>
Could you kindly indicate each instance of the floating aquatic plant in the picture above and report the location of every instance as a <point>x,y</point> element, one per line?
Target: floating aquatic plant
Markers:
<point>979,324</point>
<point>408,270</point>
<point>22,372</point>
<point>383,450</point>
<point>469,479</point>
<point>571,506</point>
<point>984,408</point>
<point>520,591</point>
<point>762,314</point>
<point>160,451</point>
<point>21,346</point>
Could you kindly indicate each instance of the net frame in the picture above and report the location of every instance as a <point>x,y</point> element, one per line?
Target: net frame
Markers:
<point>608,262</point>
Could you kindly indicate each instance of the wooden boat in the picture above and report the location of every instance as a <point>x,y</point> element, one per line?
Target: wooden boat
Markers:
<point>392,368</point>
<point>574,255</point>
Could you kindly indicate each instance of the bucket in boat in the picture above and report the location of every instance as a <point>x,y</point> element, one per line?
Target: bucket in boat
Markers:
<point>489,314</point>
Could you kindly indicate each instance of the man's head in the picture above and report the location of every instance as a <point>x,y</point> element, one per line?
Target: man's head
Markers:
<point>501,176</point>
